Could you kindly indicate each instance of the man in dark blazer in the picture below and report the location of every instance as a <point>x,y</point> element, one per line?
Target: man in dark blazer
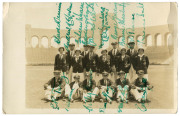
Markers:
<point>90,91</point>
<point>142,62</point>
<point>85,52</point>
<point>91,61</point>
<point>114,53</point>
<point>122,87</point>
<point>106,88</point>
<point>124,62</point>
<point>55,87</point>
<point>61,63</point>
<point>70,55</point>
<point>140,87</point>
<point>132,52</point>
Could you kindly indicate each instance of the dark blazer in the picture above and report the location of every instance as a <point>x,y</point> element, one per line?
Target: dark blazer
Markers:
<point>113,58</point>
<point>82,54</point>
<point>142,83</point>
<point>86,86</point>
<point>122,62</point>
<point>122,83</point>
<point>53,83</point>
<point>101,82</point>
<point>141,64</point>
<point>104,65</point>
<point>69,58</point>
<point>77,65</point>
<point>72,83</point>
<point>61,64</point>
<point>132,56</point>
<point>91,63</point>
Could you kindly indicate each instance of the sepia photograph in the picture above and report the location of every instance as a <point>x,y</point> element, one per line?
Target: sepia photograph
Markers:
<point>99,57</point>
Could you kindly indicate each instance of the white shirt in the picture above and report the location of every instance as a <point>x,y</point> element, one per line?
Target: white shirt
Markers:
<point>140,56</point>
<point>75,86</point>
<point>71,53</point>
<point>60,55</point>
<point>115,51</point>
<point>131,51</point>
<point>85,52</point>
<point>76,58</point>
<point>123,56</point>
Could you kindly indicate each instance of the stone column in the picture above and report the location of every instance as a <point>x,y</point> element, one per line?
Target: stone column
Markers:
<point>49,42</point>
<point>39,41</point>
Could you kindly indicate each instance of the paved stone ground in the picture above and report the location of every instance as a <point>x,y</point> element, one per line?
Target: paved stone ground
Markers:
<point>160,76</point>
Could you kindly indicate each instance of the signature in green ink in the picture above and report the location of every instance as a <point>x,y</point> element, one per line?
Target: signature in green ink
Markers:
<point>70,23</point>
<point>58,21</point>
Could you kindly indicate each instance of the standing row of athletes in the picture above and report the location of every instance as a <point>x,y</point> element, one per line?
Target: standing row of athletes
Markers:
<point>77,62</point>
<point>116,67</point>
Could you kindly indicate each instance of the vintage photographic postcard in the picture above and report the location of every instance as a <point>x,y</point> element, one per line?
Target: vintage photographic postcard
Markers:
<point>90,58</point>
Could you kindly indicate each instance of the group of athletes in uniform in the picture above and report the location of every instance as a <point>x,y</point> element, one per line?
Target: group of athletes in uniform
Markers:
<point>85,76</point>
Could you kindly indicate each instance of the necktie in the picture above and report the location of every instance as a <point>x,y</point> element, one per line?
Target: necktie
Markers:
<point>131,52</point>
<point>114,52</point>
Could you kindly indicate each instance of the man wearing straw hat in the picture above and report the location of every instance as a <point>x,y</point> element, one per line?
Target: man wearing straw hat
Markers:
<point>90,91</point>
<point>132,53</point>
<point>61,63</point>
<point>54,87</point>
<point>77,64</point>
<point>105,86</point>
<point>114,53</point>
<point>70,55</point>
<point>140,87</point>
<point>85,52</point>
<point>122,85</point>
<point>91,61</point>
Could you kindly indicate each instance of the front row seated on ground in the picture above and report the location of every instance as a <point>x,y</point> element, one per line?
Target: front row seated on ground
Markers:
<point>105,90</point>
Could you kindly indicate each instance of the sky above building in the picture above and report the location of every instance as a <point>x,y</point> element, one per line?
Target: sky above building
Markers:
<point>41,15</point>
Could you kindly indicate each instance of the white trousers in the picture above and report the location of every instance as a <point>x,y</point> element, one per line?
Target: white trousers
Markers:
<point>122,93</point>
<point>140,95</point>
<point>114,75</point>
<point>56,92</point>
<point>73,93</point>
<point>90,95</point>
<point>132,74</point>
<point>104,94</point>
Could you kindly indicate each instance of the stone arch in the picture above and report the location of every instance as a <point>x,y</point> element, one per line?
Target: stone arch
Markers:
<point>158,39</point>
<point>81,42</point>
<point>73,40</point>
<point>53,43</point>
<point>34,42</point>
<point>130,38</point>
<point>148,41</point>
<point>168,39</point>
<point>44,42</point>
<point>121,42</point>
<point>63,41</point>
<point>140,41</point>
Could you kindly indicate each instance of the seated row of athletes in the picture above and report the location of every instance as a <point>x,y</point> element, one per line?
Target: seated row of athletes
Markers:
<point>106,77</point>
